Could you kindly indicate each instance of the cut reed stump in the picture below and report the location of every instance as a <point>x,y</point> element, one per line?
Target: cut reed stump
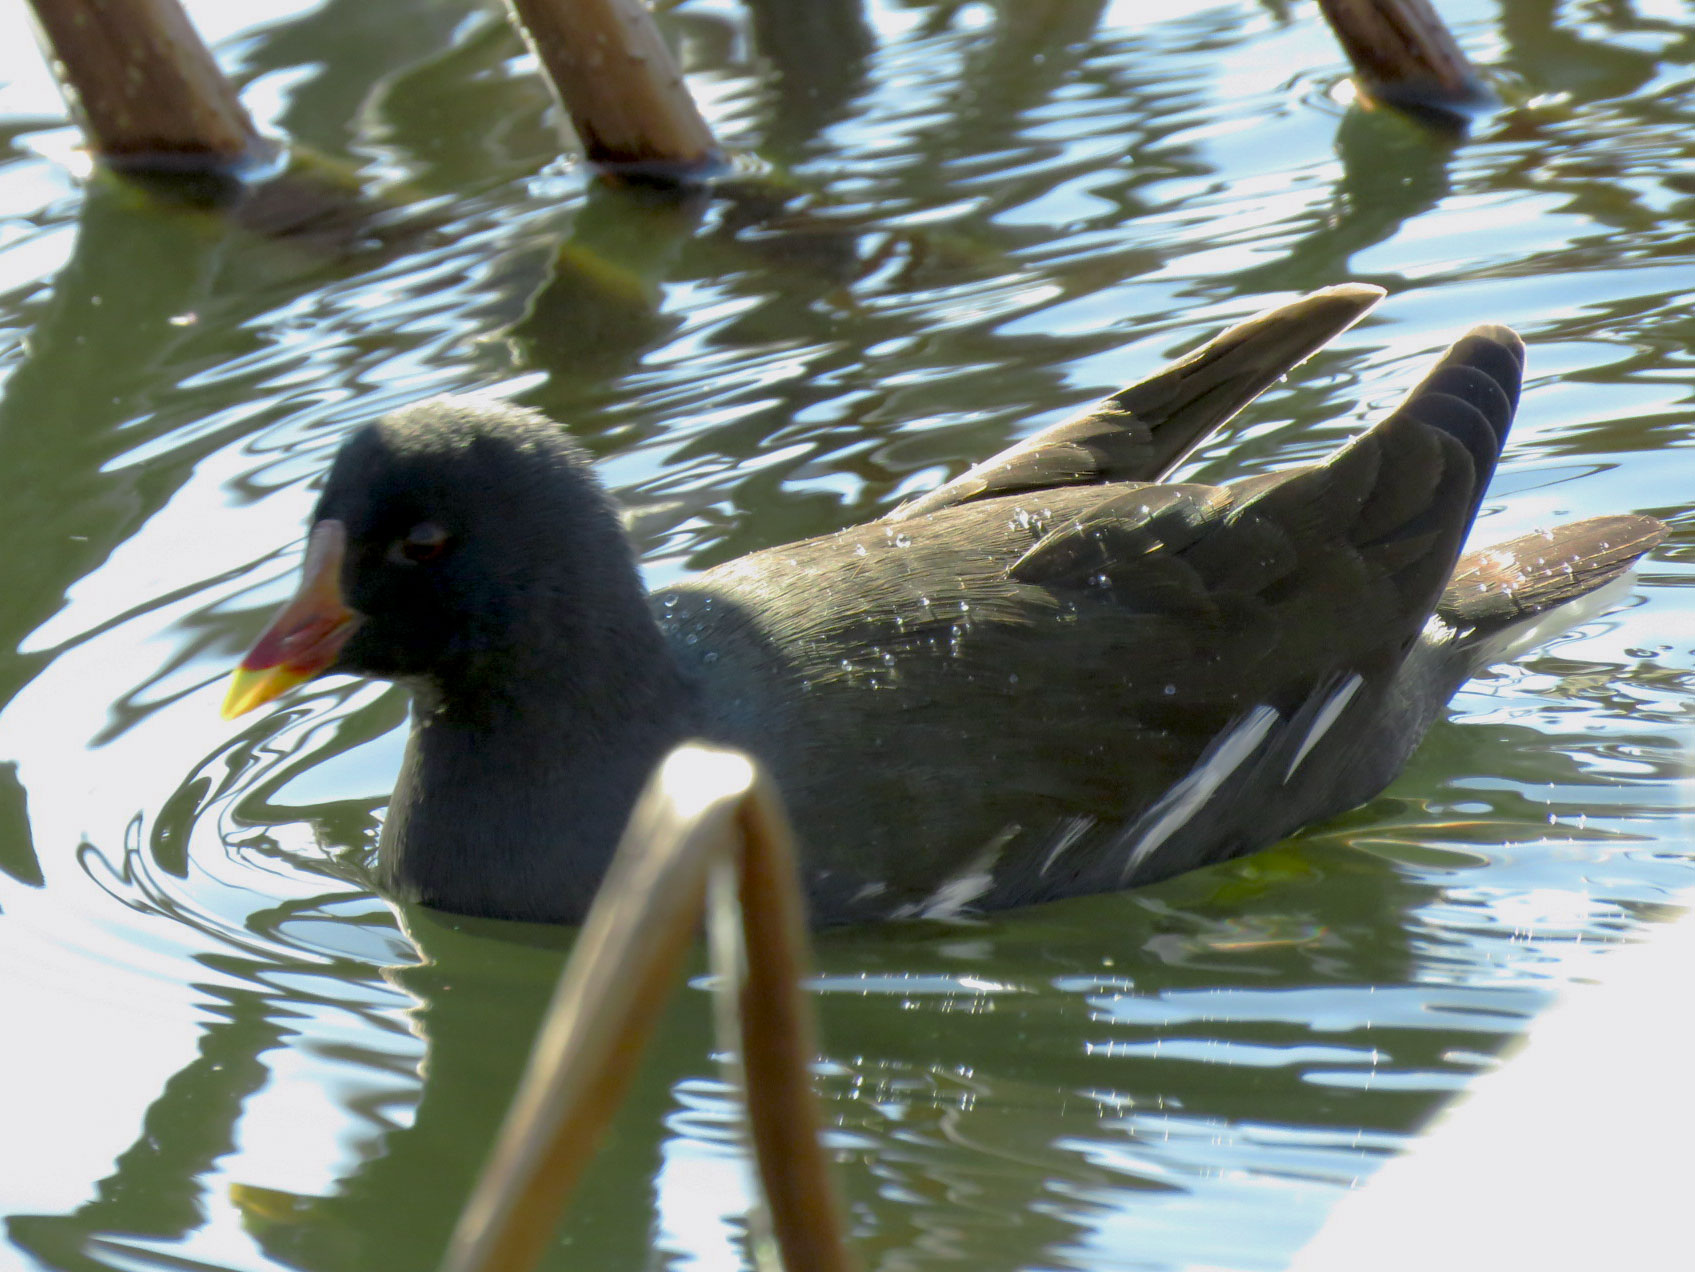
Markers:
<point>622,88</point>
<point>708,827</point>
<point>1404,56</point>
<point>157,112</point>
<point>146,89</point>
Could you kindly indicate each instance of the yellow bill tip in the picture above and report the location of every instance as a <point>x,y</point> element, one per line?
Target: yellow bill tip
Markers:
<point>254,686</point>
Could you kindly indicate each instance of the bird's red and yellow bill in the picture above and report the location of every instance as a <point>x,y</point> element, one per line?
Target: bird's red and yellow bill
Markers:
<point>305,637</point>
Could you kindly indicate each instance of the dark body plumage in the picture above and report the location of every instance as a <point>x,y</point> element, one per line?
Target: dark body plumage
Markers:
<point>1052,676</point>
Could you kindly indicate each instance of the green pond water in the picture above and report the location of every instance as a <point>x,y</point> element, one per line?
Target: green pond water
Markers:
<point>219,1049</point>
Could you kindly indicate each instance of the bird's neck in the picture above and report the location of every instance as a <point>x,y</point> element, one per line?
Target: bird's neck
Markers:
<point>511,800</point>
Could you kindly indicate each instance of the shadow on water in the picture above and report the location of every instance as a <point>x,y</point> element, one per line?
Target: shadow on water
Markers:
<point>478,1001</point>
<point>1552,55</point>
<point>124,314</point>
<point>156,1189</point>
<point>17,845</point>
<point>476,994</point>
<point>819,58</point>
<point>398,81</point>
<point>1393,169</point>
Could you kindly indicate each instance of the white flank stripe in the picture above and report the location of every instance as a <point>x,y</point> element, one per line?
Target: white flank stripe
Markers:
<point>1073,831</point>
<point>1227,754</point>
<point>1326,717</point>
<point>970,883</point>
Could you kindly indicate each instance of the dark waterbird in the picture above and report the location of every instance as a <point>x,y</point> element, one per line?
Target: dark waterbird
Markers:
<point>1053,675</point>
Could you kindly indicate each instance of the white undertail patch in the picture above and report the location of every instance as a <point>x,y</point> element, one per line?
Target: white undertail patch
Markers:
<point>1538,629</point>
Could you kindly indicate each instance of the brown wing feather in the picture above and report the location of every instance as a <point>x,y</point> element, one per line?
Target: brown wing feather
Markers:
<point>1352,552</point>
<point>1141,432</point>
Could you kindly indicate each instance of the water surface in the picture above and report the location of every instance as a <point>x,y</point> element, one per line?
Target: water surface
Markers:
<point>222,1051</point>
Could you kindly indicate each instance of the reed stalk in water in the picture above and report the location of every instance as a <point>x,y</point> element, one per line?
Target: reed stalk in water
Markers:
<point>707,829</point>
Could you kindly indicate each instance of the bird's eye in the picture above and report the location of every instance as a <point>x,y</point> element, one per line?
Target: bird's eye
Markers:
<point>424,542</point>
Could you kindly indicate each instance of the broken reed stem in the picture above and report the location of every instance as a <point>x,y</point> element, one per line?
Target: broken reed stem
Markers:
<point>1403,54</point>
<point>621,87</point>
<point>706,812</point>
<point>757,898</point>
<point>145,87</point>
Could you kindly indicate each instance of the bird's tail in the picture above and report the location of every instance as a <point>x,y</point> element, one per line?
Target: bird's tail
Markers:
<point>1513,595</point>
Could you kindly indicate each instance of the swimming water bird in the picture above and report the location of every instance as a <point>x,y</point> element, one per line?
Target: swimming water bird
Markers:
<point>1055,674</point>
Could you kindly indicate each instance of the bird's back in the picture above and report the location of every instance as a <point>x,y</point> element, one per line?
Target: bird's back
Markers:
<point>1015,698</point>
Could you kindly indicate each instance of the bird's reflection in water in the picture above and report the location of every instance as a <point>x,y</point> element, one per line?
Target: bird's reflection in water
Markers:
<point>476,993</point>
